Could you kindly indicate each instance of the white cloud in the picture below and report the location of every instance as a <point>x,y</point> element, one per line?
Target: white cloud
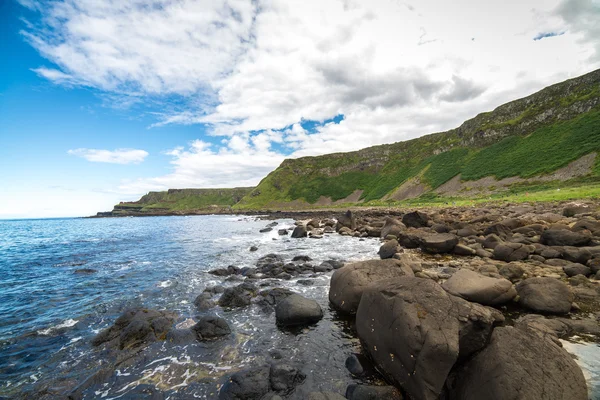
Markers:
<point>118,156</point>
<point>250,70</point>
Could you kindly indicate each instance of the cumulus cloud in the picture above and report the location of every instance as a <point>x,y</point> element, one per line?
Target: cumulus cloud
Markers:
<point>118,156</point>
<point>251,71</point>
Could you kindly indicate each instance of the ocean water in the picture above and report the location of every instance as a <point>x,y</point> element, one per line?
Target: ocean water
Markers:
<point>49,313</point>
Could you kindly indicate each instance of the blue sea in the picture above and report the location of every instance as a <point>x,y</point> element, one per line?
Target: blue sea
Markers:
<point>50,309</point>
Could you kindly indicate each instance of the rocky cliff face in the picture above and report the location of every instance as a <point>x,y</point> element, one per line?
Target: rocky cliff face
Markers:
<point>558,114</point>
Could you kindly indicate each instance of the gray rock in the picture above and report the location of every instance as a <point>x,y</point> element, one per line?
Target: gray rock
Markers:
<point>368,392</point>
<point>211,327</point>
<point>512,251</point>
<point>353,365</point>
<point>564,237</point>
<point>249,384</point>
<point>478,288</point>
<point>284,377</point>
<point>392,227</point>
<point>519,364</point>
<point>346,220</point>
<point>296,310</point>
<point>512,272</point>
<point>238,296</point>
<point>388,249</point>
<point>439,243</point>
<point>299,232</point>
<point>545,295</point>
<point>349,282</point>
<point>500,230</point>
<point>576,269</point>
<point>464,250</point>
<point>415,219</point>
<point>325,396</point>
<point>491,241</point>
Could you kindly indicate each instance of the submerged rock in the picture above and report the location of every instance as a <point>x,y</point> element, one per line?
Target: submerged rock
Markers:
<point>211,327</point>
<point>238,296</point>
<point>249,384</point>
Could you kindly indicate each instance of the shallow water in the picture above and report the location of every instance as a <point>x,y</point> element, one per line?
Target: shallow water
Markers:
<point>49,313</point>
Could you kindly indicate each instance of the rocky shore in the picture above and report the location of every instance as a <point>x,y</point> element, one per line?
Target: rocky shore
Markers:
<point>459,303</point>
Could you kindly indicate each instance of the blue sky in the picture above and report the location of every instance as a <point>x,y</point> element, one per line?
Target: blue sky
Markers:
<point>104,101</point>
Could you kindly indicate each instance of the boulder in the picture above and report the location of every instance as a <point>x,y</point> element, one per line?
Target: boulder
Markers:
<point>249,384</point>
<point>587,224</point>
<point>564,237</point>
<point>284,377</point>
<point>478,288</point>
<point>136,328</point>
<point>325,396</point>
<point>368,392</point>
<point>346,220</point>
<point>299,232</point>
<point>438,243</point>
<point>573,209</point>
<point>464,250</point>
<point>295,310</point>
<point>512,272</point>
<point>491,241</point>
<point>349,282</point>
<point>238,296</point>
<point>415,219</point>
<point>500,230</point>
<point>576,269</point>
<point>415,332</point>
<point>512,251</point>
<point>353,365</point>
<point>545,295</point>
<point>388,249</point>
<point>211,327</point>
<point>283,232</point>
<point>392,227</point>
<point>579,255</point>
<point>519,364</point>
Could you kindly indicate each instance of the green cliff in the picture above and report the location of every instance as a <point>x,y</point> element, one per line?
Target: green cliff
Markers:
<point>550,136</point>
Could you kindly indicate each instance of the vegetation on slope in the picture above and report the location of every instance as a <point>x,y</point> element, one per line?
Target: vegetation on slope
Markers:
<point>526,137</point>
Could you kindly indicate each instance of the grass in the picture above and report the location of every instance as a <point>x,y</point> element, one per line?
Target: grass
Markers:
<point>188,199</point>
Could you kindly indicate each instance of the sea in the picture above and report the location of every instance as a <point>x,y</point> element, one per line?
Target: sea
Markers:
<point>64,280</point>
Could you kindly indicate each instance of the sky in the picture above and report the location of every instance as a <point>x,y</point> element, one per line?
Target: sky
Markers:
<point>102,101</point>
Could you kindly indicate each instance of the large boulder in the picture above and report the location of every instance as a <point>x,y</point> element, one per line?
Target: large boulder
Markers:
<point>545,295</point>
<point>249,384</point>
<point>349,282</point>
<point>392,227</point>
<point>576,269</point>
<point>438,243</point>
<point>512,251</point>
<point>347,220</point>
<point>415,219</point>
<point>573,209</point>
<point>211,327</point>
<point>388,249</point>
<point>299,232</point>
<point>238,296</point>
<point>478,288</point>
<point>295,310</point>
<point>415,332</point>
<point>564,237</point>
<point>519,364</point>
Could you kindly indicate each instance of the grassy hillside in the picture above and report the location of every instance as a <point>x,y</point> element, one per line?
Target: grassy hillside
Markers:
<point>176,201</point>
<point>525,138</point>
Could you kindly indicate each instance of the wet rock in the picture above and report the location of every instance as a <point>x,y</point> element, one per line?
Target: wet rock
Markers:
<point>512,251</point>
<point>204,303</point>
<point>325,396</point>
<point>270,298</point>
<point>478,288</point>
<point>415,219</point>
<point>564,237</point>
<point>296,310</point>
<point>299,232</point>
<point>249,384</point>
<point>388,249</point>
<point>415,332</point>
<point>253,248</point>
<point>353,365</point>
<point>211,327</point>
<point>136,328</point>
<point>519,364</point>
<point>348,283</point>
<point>283,232</point>
<point>368,392</point>
<point>576,269</point>
<point>545,295</point>
<point>238,296</point>
<point>438,243</point>
<point>85,271</point>
<point>284,377</point>
<point>301,258</point>
<point>550,252</point>
<point>265,230</point>
<point>323,267</point>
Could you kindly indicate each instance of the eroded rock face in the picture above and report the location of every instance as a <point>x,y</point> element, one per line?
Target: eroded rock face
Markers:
<point>349,282</point>
<point>519,364</point>
<point>136,328</point>
<point>545,295</point>
<point>414,331</point>
<point>478,288</point>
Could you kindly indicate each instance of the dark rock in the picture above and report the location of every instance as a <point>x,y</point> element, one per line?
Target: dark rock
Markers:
<point>346,220</point>
<point>512,251</point>
<point>270,298</point>
<point>440,228</point>
<point>85,271</point>
<point>478,288</point>
<point>576,269</point>
<point>411,238</point>
<point>250,384</point>
<point>296,310</point>
<point>348,283</point>
<point>285,377</point>
<point>573,209</point>
<point>299,232</point>
<point>439,243</point>
<point>270,260</point>
<point>545,295</point>
<point>500,230</point>
<point>264,230</point>
<point>519,364</point>
<point>392,227</point>
<point>579,255</point>
<point>467,231</point>
<point>550,252</point>
<point>202,303</point>
<point>302,258</point>
<point>415,219</point>
<point>512,272</point>
<point>136,328</point>
<point>491,241</point>
<point>367,392</point>
<point>388,249</point>
<point>594,265</point>
<point>464,250</point>
<point>323,267</point>
<point>415,332</point>
<point>253,248</point>
<point>587,224</point>
<point>564,237</point>
<point>325,396</point>
<point>353,365</point>
<point>283,232</point>
<point>238,296</point>
<point>211,327</point>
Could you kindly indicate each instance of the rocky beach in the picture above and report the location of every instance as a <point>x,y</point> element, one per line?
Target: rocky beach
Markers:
<point>449,303</point>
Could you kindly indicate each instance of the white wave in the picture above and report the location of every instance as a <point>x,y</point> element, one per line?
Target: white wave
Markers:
<point>65,324</point>
<point>165,284</point>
